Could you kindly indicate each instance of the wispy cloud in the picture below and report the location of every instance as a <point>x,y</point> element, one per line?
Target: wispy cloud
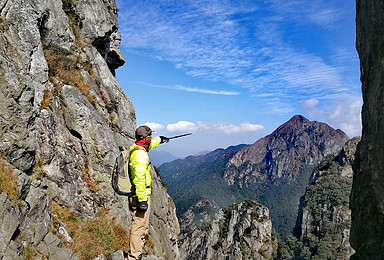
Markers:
<point>319,12</point>
<point>208,91</point>
<point>190,89</point>
<point>239,42</point>
<point>310,103</point>
<point>154,126</point>
<point>182,126</point>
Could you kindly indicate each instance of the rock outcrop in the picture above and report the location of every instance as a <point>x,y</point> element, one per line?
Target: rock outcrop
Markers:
<point>241,231</point>
<point>325,217</point>
<point>64,119</point>
<point>24,223</point>
<point>367,198</point>
<point>196,215</point>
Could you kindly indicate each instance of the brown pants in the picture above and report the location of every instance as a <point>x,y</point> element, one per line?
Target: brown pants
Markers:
<point>140,222</point>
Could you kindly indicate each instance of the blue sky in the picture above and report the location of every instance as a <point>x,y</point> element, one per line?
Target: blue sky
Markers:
<point>231,72</point>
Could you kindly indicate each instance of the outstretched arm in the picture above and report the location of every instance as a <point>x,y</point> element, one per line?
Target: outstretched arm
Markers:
<point>155,142</point>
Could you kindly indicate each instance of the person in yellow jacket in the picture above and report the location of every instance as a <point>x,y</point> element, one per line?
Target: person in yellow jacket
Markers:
<point>139,203</point>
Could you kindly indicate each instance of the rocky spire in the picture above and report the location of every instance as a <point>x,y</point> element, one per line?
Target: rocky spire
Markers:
<point>240,231</point>
<point>367,198</point>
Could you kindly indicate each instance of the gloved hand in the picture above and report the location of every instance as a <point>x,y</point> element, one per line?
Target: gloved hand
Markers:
<point>164,139</point>
<point>142,205</point>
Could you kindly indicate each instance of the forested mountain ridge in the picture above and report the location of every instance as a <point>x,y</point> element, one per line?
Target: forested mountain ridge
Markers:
<point>194,179</point>
<point>324,219</point>
<point>274,171</point>
<point>190,164</point>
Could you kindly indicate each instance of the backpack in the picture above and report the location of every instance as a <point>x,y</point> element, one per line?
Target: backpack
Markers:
<point>121,177</point>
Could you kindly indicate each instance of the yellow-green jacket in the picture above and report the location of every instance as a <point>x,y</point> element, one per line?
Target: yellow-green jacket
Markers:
<point>140,169</point>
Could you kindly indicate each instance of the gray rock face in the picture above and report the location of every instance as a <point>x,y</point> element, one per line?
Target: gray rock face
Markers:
<point>164,227</point>
<point>119,255</point>
<point>63,121</point>
<point>28,219</point>
<point>23,74</point>
<point>241,231</point>
<point>56,26</point>
<point>11,217</point>
<point>367,198</point>
<point>197,215</point>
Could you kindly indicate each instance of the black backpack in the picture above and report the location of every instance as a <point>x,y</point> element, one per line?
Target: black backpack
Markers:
<point>121,177</point>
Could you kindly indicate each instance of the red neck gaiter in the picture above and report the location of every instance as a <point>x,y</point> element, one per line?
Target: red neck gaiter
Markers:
<point>145,142</point>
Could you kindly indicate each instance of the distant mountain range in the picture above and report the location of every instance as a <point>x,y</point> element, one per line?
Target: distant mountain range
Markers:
<point>274,171</point>
<point>159,157</point>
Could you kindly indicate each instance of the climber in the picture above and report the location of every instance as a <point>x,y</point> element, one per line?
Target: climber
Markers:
<point>139,203</point>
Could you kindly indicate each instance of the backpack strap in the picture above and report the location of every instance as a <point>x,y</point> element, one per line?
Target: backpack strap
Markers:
<point>130,152</point>
<point>137,148</point>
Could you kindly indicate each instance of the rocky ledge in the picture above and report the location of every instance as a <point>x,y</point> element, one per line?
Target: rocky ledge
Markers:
<point>240,231</point>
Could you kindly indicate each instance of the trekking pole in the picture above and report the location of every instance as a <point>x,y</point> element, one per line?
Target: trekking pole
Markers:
<point>177,136</point>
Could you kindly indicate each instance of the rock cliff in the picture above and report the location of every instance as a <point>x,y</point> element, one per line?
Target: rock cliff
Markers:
<point>324,221</point>
<point>367,198</point>
<point>63,121</point>
<point>240,231</point>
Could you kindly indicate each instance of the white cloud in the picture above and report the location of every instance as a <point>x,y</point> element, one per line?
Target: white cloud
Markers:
<point>310,103</point>
<point>347,116</point>
<point>344,114</point>
<point>324,17</point>
<point>213,127</point>
<point>182,126</point>
<point>155,126</point>
<point>277,106</point>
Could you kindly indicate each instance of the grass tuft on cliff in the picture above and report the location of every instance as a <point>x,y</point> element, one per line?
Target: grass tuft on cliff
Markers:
<point>66,67</point>
<point>8,180</point>
<point>90,237</point>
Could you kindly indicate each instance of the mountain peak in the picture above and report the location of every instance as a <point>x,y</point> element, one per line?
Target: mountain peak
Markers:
<point>298,118</point>
<point>281,154</point>
<point>298,125</point>
<point>297,121</point>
